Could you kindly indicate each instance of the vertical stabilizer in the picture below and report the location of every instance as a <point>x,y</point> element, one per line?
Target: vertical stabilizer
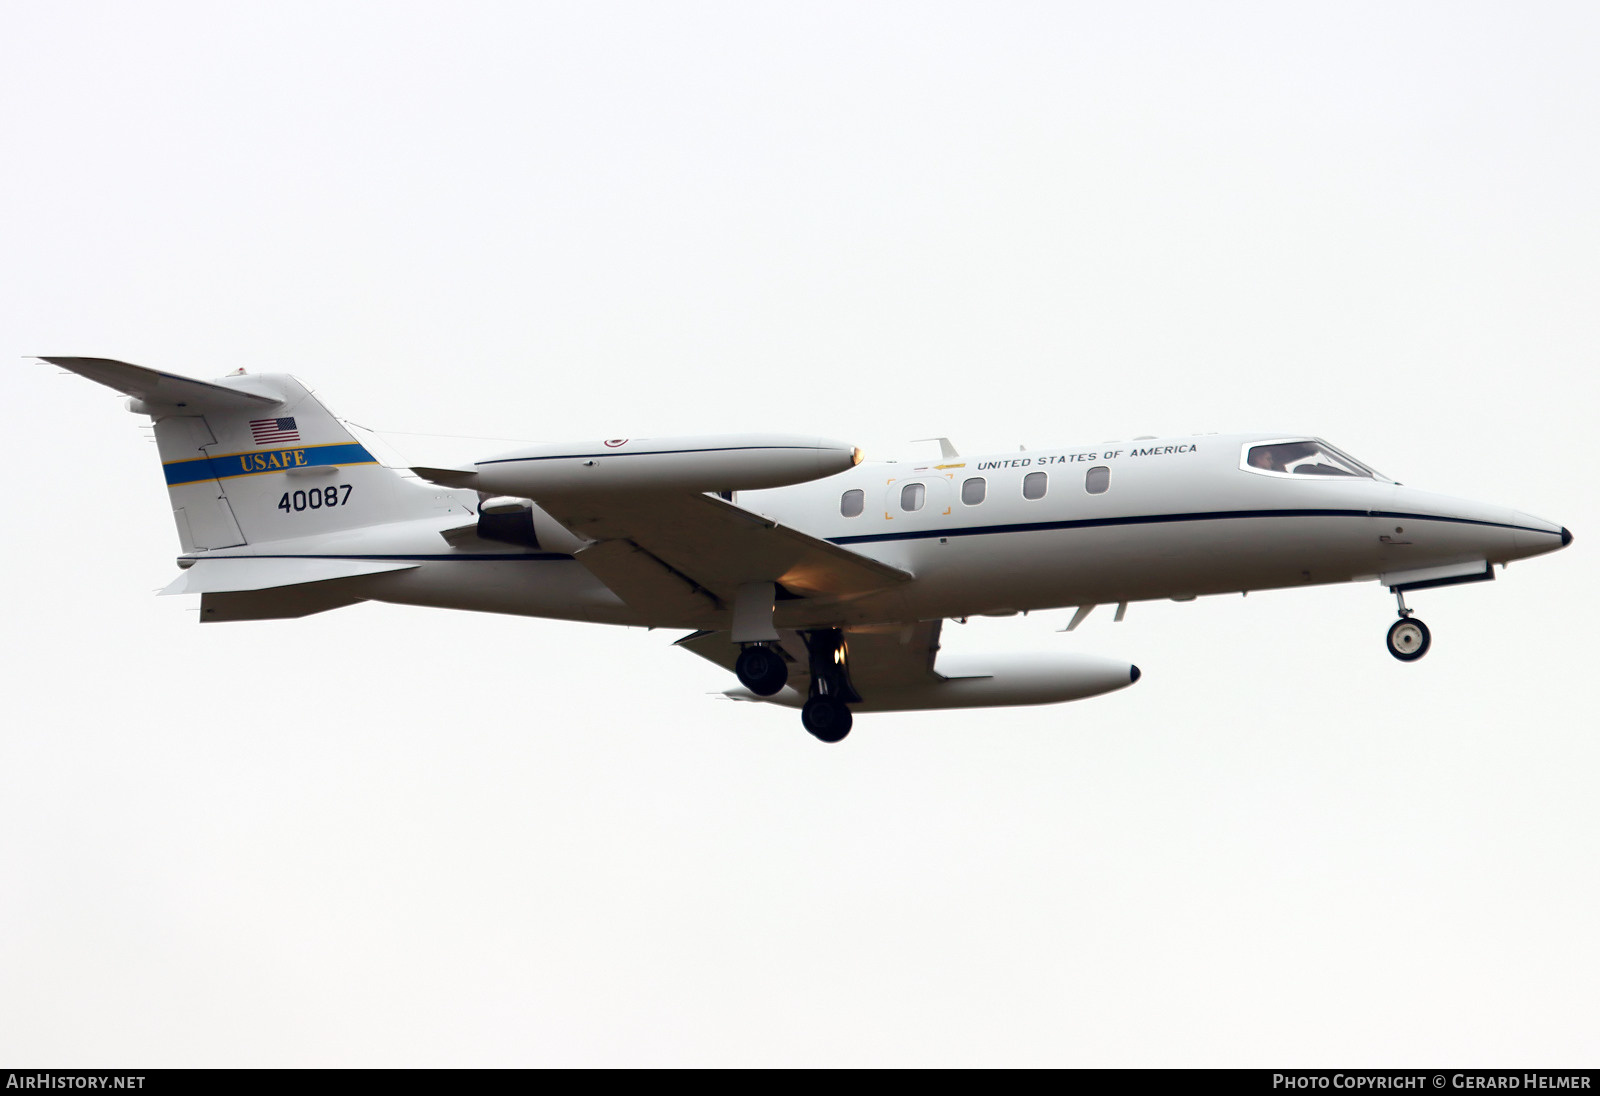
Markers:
<point>256,458</point>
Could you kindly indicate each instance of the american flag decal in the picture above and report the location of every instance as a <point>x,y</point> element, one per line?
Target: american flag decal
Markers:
<point>274,431</point>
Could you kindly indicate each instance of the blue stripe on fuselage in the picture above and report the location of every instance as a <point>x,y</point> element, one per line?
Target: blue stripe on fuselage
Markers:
<point>267,460</point>
<point>1163,519</point>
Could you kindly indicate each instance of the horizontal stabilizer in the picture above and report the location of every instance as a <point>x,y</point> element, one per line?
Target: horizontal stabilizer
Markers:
<point>232,574</point>
<point>166,389</point>
<point>284,603</point>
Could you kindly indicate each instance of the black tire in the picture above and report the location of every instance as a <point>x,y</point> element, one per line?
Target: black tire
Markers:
<point>1409,639</point>
<point>826,718</point>
<point>761,670</point>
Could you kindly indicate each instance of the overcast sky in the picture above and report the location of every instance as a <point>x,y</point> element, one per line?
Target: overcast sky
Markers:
<point>397,836</point>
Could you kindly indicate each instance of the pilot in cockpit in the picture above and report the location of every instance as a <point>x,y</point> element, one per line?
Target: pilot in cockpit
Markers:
<point>1277,458</point>
<point>1312,458</point>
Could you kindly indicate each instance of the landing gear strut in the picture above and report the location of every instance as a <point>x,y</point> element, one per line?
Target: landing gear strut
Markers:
<point>761,670</point>
<point>1409,638</point>
<point>825,714</point>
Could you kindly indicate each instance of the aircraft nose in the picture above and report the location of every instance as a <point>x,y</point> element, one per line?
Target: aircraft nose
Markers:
<point>1535,536</point>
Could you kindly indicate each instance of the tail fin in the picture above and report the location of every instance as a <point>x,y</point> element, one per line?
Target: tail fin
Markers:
<point>257,458</point>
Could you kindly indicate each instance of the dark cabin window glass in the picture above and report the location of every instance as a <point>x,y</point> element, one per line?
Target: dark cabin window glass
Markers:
<point>1034,484</point>
<point>911,496</point>
<point>852,502</point>
<point>1097,480</point>
<point>973,490</point>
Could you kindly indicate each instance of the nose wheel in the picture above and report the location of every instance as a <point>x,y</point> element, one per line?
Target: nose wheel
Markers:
<point>1408,638</point>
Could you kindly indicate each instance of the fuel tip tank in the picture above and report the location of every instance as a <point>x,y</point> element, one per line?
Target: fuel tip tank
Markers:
<point>986,681</point>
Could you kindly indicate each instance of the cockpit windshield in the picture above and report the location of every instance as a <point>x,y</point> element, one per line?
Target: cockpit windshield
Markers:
<point>1308,457</point>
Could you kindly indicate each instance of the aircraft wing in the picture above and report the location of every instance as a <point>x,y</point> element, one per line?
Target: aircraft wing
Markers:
<point>879,657</point>
<point>671,553</point>
<point>687,549</point>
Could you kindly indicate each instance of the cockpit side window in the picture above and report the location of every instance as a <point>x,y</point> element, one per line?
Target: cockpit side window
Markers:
<point>1308,457</point>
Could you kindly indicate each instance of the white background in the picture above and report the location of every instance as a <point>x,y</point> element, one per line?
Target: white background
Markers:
<point>403,836</point>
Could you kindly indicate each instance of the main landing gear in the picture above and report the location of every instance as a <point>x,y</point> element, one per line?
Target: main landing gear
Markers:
<point>1409,638</point>
<point>827,718</point>
<point>761,670</point>
<point>825,714</point>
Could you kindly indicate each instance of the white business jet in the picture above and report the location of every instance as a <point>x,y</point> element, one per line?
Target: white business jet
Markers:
<point>821,581</point>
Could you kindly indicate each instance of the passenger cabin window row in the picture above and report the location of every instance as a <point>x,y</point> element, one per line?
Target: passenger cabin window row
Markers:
<point>1096,481</point>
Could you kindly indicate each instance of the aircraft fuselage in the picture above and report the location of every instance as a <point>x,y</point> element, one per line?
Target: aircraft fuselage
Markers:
<point>1167,518</point>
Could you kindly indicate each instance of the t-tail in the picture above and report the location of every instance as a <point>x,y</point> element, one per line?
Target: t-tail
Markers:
<point>279,509</point>
<point>257,458</point>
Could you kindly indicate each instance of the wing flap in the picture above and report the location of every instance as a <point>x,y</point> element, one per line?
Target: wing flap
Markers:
<point>648,586</point>
<point>893,655</point>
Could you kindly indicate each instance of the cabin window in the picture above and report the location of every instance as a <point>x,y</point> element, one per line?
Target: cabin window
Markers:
<point>1311,457</point>
<point>1097,480</point>
<point>851,503</point>
<point>911,496</point>
<point>973,490</point>
<point>1034,484</point>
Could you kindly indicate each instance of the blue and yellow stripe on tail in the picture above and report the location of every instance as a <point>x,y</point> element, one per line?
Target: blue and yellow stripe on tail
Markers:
<point>265,461</point>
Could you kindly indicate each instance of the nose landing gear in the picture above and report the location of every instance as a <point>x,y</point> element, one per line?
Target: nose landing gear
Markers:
<point>1408,638</point>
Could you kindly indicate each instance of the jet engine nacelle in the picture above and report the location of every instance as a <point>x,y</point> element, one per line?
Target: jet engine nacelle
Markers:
<point>987,681</point>
<point>721,462</point>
